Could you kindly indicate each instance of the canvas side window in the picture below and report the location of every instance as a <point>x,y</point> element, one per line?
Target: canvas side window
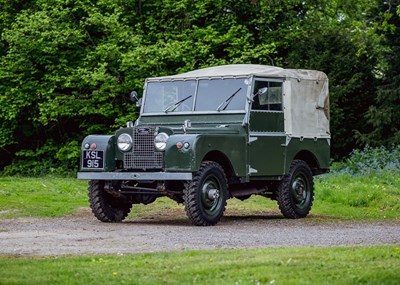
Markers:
<point>268,96</point>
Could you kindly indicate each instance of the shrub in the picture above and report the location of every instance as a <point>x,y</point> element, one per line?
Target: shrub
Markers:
<point>369,161</point>
<point>50,159</point>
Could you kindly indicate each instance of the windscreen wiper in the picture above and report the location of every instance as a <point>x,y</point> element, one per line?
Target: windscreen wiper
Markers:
<point>176,105</point>
<point>228,100</point>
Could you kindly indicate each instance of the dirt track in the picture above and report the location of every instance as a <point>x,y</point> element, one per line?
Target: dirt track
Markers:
<point>83,234</point>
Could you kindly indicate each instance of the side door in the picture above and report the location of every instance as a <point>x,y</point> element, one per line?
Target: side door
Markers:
<point>267,138</point>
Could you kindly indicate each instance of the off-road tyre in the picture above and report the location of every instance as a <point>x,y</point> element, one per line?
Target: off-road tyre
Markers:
<point>295,193</point>
<point>200,209</point>
<point>106,207</point>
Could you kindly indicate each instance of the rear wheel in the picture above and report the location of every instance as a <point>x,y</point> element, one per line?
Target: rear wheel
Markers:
<point>105,206</point>
<point>205,196</point>
<point>295,193</point>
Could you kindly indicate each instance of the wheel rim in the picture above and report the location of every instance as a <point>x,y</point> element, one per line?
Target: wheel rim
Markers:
<point>211,196</point>
<point>300,191</point>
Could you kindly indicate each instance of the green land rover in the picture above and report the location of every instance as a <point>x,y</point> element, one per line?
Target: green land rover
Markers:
<point>212,134</point>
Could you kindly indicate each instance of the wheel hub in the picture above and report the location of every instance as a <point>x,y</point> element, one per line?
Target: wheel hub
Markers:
<point>299,190</point>
<point>210,195</point>
<point>213,194</point>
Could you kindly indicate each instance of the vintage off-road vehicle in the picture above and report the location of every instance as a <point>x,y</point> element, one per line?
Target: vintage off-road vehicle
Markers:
<point>211,134</point>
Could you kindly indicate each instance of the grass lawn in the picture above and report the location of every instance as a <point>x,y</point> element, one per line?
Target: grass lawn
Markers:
<point>341,196</point>
<point>41,197</point>
<point>373,196</point>
<point>344,196</point>
<point>304,265</point>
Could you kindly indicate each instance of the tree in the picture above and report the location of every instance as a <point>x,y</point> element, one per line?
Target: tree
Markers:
<point>66,66</point>
<point>383,115</point>
<point>60,78</point>
<point>335,41</point>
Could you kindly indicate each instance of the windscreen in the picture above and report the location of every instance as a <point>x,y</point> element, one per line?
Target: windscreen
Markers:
<point>169,96</point>
<point>221,94</point>
<point>203,95</point>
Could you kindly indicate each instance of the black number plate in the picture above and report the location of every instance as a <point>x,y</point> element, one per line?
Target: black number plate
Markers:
<point>93,159</point>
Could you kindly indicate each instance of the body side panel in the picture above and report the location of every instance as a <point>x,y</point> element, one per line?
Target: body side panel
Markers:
<point>231,145</point>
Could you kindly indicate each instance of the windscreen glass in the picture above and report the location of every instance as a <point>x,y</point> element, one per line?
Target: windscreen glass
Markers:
<point>221,94</point>
<point>169,96</point>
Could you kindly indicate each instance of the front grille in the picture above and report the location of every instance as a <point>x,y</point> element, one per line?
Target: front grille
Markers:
<point>143,155</point>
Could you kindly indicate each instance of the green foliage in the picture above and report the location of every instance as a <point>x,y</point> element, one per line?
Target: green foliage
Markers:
<point>342,47</point>
<point>365,185</point>
<point>370,161</point>
<point>66,67</point>
<point>48,159</point>
<point>60,79</point>
<point>305,265</point>
<point>383,116</point>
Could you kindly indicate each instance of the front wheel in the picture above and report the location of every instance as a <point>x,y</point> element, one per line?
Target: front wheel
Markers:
<point>205,196</point>
<point>295,193</point>
<point>105,206</point>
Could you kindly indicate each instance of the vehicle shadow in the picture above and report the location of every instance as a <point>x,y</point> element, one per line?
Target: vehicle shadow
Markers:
<point>253,217</point>
<point>225,220</point>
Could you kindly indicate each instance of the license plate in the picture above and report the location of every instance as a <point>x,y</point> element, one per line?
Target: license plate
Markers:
<point>93,159</point>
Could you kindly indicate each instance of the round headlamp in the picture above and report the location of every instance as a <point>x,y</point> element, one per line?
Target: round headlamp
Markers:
<point>160,141</point>
<point>124,142</point>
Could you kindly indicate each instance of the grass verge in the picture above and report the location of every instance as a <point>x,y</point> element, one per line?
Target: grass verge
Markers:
<point>373,196</point>
<point>370,196</point>
<point>304,265</point>
<point>41,197</point>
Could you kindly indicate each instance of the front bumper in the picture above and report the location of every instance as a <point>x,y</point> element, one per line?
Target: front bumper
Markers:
<point>135,176</point>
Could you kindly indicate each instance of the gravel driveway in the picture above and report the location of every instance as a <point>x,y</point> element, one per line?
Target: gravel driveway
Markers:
<point>83,234</point>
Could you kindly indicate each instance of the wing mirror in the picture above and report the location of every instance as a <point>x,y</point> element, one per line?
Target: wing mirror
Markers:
<point>262,91</point>
<point>134,98</point>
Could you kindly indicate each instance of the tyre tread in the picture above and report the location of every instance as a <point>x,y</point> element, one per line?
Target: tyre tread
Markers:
<point>101,209</point>
<point>284,198</point>
<point>192,208</point>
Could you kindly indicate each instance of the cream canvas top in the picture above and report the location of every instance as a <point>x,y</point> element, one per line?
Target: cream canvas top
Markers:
<point>305,94</point>
<point>239,70</point>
